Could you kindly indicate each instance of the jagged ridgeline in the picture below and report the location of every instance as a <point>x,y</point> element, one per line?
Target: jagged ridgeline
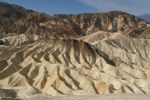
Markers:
<point>76,54</point>
<point>18,20</point>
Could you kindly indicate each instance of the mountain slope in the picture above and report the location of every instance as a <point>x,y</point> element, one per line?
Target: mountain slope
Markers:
<point>18,20</point>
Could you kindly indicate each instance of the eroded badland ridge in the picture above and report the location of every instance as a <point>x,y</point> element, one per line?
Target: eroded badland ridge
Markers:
<point>80,54</point>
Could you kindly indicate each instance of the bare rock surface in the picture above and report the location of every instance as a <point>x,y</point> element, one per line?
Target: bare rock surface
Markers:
<point>116,64</point>
<point>44,56</point>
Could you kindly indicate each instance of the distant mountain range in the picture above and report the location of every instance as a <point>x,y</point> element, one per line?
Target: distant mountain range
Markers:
<point>18,20</point>
<point>145,17</point>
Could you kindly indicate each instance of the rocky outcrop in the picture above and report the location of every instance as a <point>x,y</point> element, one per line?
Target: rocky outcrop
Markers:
<point>16,19</point>
<point>22,21</point>
<point>84,24</point>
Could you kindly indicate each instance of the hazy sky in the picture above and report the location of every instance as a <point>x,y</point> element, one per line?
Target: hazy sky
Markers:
<point>136,7</point>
